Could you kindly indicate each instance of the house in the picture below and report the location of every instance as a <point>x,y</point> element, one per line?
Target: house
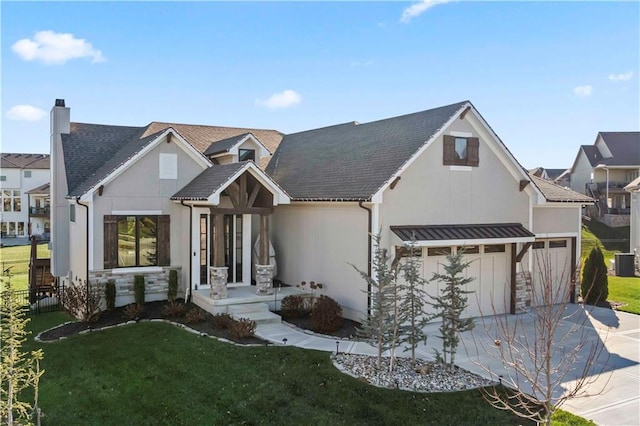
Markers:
<point>603,169</point>
<point>634,189</point>
<point>24,204</point>
<point>145,200</point>
<point>560,177</point>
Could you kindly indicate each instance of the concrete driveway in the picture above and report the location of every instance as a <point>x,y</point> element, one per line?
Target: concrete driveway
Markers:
<point>614,396</point>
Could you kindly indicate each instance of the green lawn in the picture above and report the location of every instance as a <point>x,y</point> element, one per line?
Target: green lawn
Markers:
<point>17,258</point>
<point>626,290</point>
<point>155,374</point>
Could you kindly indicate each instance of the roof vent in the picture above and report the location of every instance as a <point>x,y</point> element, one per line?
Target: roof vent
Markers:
<point>60,102</point>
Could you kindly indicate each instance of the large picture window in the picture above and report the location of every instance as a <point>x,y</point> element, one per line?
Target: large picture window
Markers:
<point>136,241</point>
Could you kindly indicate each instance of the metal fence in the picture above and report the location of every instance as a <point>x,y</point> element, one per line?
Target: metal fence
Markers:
<point>38,303</point>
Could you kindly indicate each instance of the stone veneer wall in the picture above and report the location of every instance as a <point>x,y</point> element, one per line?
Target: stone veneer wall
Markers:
<point>523,292</point>
<point>616,220</point>
<point>156,284</point>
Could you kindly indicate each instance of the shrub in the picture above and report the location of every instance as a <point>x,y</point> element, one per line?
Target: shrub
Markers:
<point>195,316</point>
<point>172,292</point>
<point>133,311</point>
<point>326,315</point>
<point>82,301</point>
<point>110,294</point>
<point>292,306</point>
<point>138,289</point>
<point>594,286</point>
<point>174,309</point>
<point>242,328</point>
<point>221,321</point>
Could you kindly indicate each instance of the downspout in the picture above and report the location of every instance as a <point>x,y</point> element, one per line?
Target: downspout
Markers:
<point>87,251</point>
<point>369,241</point>
<point>190,247</point>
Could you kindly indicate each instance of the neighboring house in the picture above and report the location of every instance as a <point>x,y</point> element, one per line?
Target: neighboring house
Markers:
<point>560,177</point>
<point>172,196</point>
<point>603,169</point>
<point>634,189</point>
<point>24,204</point>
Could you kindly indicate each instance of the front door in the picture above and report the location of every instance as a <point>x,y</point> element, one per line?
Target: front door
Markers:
<point>233,244</point>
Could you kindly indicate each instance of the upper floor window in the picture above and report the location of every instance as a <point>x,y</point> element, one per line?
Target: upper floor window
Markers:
<point>246,154</point>
<point>11,200</point>
<point>460,151</point>
<point>27,173</point>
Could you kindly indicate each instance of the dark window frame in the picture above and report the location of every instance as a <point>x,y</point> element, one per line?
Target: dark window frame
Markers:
<point>557,244</point>
<point>137,235</point>
<point>495,248</point>
<point>450,157</point>
<point>244,153</point>
<point>111,242</point>
<point>439,251</point>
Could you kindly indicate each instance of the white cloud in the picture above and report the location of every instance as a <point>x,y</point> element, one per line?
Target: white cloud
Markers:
<point>621,77</point>
<point>418,9</point>
<point>583,91</point>
<point>55,48</point>
<point>283,99</point>
<point>25,113</point>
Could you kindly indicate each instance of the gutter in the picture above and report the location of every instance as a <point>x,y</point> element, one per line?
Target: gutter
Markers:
<point>369,242</point>
<point>190,248</point>
<point>87,251</point>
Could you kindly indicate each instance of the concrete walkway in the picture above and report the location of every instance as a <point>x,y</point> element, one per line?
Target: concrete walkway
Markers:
<point>616,393</point>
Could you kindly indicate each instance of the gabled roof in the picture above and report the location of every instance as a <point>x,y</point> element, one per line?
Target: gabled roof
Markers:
<point>624,147</point>
<point>558,194</point>
<point>94,151</point>
<point>207,182</point>
<point>634,185</point>
<point>24,161</point>
<point>224,145</point>
<point>592,154</point>
<point>352,161</point>
<point>40,190</point>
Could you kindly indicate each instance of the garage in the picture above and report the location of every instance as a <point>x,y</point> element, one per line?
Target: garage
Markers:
<point>551,271</point>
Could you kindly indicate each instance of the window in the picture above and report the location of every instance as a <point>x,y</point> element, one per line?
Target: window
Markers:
<point>402,251</point>
<point>469,249</point>
<point>494,248</point>
<point>72,212</point>
<point>3,178</point>
<point>11,200</point>
<point>557,243</point>
<point>438,251</point>
<point>538,245</point>
<point>246,154</point>
<point>27,173</point>
<point>460,151</point>
<point>136,241</point>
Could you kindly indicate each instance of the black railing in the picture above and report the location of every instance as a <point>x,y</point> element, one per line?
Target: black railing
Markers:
<point>44,301</point>
<point>39,210</point>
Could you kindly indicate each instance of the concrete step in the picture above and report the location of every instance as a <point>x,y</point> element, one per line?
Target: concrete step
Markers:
<point>261,317</point>
<point>247,308</point>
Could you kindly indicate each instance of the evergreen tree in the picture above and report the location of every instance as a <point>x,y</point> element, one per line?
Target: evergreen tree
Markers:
<point>450,304</point>
<point>594,286</point>
<point>412,319</point>
<point>379,324</point>
<point>19,370</point>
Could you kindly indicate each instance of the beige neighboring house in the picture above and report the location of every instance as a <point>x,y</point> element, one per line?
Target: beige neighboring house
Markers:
<point>145,200</point>
<point>603,169</point>
<point>560,177</point>
<point>24,195</point>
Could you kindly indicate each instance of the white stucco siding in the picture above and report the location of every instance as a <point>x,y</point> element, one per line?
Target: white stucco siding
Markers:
<point>557,220</point>
<point>581,173</point>
<point>316,242</point>
<point>78,250</point>
<point>139,189</point>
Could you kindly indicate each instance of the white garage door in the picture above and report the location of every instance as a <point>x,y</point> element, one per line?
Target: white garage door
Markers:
<point>551,273</point>
<point>490,270</point>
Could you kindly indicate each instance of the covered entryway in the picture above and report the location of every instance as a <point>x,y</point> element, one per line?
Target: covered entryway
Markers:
<point>226,202</point>
<point>493,249</point>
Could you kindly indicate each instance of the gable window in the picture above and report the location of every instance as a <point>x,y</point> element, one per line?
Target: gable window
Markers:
<point>460,151</point>
<point>246,154</point>
<point>3,178</point>
<point>136,241</point>
<point>27,173</point>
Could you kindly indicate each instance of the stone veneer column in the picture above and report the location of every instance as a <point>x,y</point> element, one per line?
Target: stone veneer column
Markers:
<point>523,292</point>
<point>264,279</point>
<point>218,279</point>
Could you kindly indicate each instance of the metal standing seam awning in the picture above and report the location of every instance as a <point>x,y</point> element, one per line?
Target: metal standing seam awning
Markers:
<point>459,235</point>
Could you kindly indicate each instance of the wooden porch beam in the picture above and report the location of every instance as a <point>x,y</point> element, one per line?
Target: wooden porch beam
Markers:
<point>218,239</point>
<point>234,194</point>
<point>242,193</point>
<point>263,258</point>
<point>254,194</point>
<point>512,301</point>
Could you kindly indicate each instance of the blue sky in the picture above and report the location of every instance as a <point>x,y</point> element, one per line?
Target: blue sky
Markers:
<point>546,76</point>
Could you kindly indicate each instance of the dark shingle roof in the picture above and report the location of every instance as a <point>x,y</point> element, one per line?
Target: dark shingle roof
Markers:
<point>207,182</point>
<point>592,153</point>
<point>41,190</point>
<point>224,145</point>
<point>24,161</point>
<point>461,232</point>
<point>557,193</point>
<point>352,161</point>
<point>624,147</point>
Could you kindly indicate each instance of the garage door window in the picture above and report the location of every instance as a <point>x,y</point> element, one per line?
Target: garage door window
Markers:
<point>438,251</point>
<point>494,248</point>
<point>409,251</point>
<point>538,245</point>
<point>557,243</point>
<point>469,249</point>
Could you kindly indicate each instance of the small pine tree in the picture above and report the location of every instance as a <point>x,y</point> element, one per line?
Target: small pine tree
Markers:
<point>18,370</point>
<point>378,326</point>
<point>450,304</point>
<point>412,319</point>
<point>594,286</point>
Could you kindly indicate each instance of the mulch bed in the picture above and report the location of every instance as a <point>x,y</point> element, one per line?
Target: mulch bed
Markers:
<point>154,310</point>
